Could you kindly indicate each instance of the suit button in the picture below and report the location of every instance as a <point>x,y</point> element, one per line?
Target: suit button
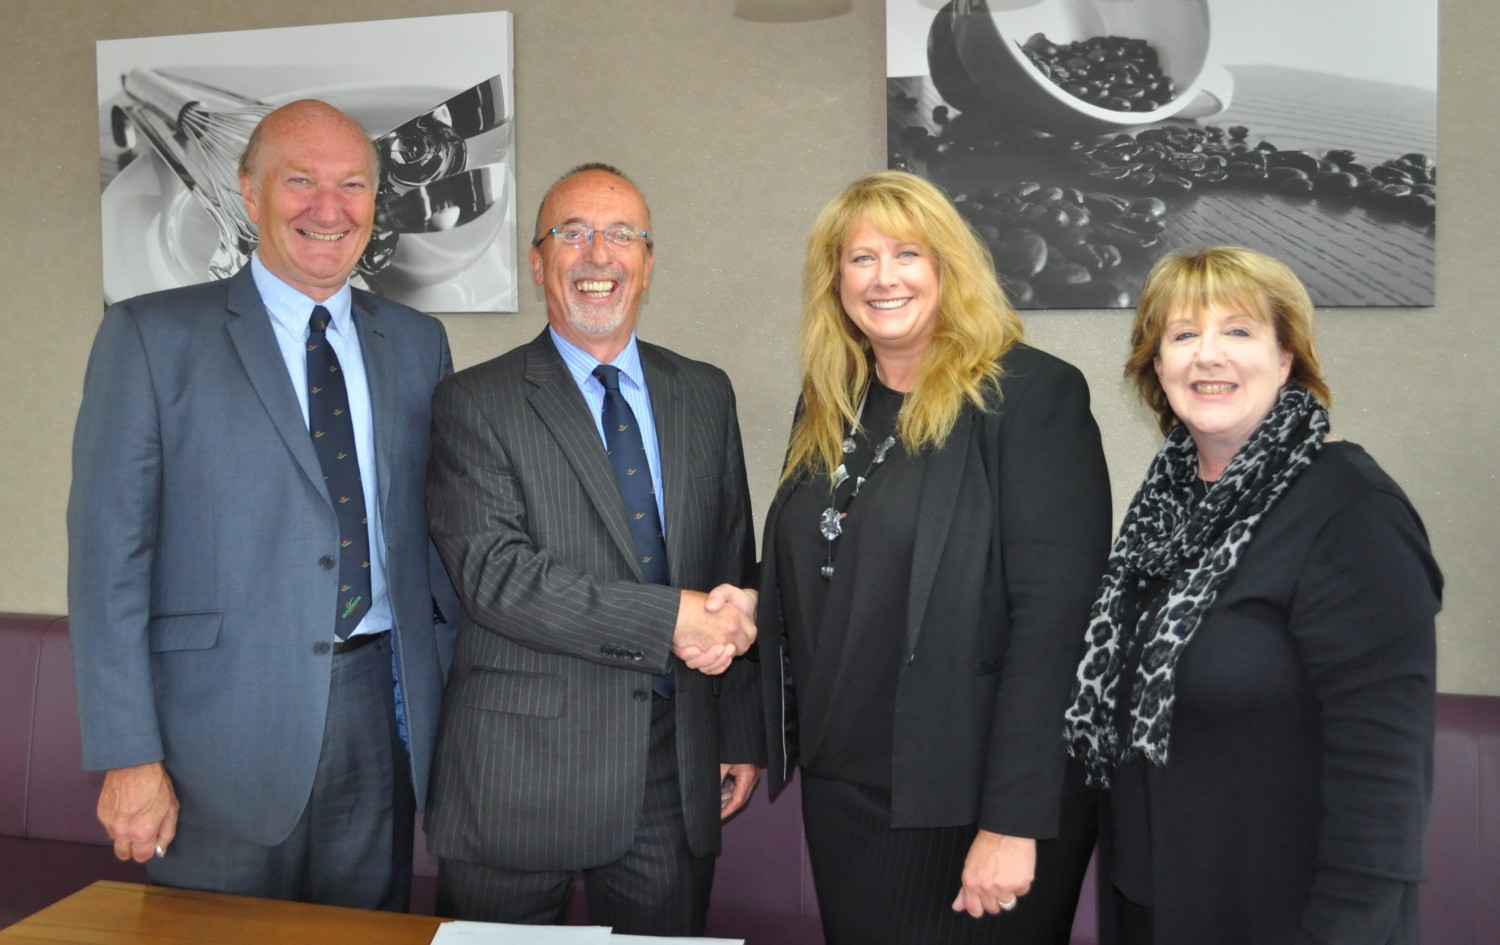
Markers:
<point>326,562</point>
<point>321,647</point>
<point>638,656</point>
<point>640,695</point>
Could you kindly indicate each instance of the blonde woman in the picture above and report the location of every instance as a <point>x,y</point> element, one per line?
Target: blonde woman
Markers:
<point>929,559</point>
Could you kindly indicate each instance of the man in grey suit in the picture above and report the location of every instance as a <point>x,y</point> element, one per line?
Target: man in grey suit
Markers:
<point>249,607</point>
<point>590,723</point>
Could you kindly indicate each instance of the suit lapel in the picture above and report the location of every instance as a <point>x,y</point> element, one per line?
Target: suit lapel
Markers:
<point>254,341</point>
<point>935,510</point>
<point>380,375</point>
<point>561,407</point>
<point>674,440</point>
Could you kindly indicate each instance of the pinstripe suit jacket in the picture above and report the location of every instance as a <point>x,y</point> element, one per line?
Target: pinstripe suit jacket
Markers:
<point>543,740</point>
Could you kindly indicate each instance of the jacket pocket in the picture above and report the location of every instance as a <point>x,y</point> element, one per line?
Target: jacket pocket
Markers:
<point>191,631</point>
<point>495,690</point>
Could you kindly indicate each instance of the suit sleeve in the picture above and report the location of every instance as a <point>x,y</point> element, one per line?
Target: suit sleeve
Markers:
<point>741,735</point>
<point>1363,619</point>
<point>477,508</point>
<point>1054,524</point>
<point>112,520</point>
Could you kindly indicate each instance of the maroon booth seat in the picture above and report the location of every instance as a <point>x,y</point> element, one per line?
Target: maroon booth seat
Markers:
<point>51,844</point>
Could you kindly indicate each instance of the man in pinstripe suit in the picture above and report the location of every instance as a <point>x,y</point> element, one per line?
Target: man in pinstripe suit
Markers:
<point>555,754</point>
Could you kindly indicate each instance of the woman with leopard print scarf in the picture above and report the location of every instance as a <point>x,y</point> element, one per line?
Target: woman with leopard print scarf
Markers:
<point>1259,686</point>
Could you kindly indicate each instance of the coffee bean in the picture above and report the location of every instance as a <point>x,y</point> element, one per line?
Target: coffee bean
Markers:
<point>1419,207</point>
<point>1301,160</point>
<point>1336,183</point>
<point>1297,186</point>
<point>1391,175</point>
<point>1022,257</point>
<point>1142,223</point>
<point>1064,274</point>
<point>1153,207</point>
<point>1172,182</point>
<point>1099,257</point>
<point>1418,159</point>
<point>1096,293</point>
<point>1107,206</point>
<point>1019,291</point>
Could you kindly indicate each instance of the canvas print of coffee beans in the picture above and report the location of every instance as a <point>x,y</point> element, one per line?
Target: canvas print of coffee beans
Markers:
<point>1083,139</point>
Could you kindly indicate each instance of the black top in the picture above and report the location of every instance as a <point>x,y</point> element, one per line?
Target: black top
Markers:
<point>1298,777</point>
<point>845,633</point>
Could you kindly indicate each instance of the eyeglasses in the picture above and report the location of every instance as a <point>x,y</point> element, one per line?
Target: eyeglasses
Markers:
<point>619,235</point>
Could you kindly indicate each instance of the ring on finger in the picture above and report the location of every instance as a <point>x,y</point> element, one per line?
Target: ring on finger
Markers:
<point>1007,906</point>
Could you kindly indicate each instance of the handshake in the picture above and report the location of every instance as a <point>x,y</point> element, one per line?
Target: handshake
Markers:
<point>713,628</point>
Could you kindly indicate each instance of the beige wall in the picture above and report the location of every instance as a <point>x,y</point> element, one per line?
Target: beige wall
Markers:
<point>737,131</point>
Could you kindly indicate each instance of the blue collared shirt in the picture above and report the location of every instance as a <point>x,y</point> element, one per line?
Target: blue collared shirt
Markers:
<point>581,365</point>
<point>290,311</point>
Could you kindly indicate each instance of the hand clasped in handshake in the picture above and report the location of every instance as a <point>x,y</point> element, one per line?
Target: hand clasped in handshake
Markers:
<point>714,628</point>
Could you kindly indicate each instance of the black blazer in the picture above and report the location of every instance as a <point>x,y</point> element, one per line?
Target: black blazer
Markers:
<point>1014,523</point>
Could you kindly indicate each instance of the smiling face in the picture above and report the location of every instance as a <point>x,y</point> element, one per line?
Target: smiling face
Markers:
<point>311,194</point>
<point>593,291</point>
<point>1221,369</point>
<point>890,289</point>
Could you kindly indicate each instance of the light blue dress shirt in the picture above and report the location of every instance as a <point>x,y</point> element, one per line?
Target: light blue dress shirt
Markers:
<point>581,365</point>
<point>290,311</point>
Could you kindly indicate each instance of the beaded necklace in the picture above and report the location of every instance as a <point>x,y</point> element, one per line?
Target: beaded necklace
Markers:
<point>830,522</point>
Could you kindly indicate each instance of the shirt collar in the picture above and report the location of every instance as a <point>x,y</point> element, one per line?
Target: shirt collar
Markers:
<point>581,364</point>
<point>291,308</point>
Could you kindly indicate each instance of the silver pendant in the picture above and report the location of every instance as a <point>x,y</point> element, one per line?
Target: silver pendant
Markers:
<point>829,524</point>
<point>840,476</point>
<point>827,571</point>
<point>848,445</point>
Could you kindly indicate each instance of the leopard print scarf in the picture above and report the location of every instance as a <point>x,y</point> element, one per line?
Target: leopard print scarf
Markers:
<point>1195,548</point>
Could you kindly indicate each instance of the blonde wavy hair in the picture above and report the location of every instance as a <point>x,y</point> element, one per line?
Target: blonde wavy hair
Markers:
<point>975,325</point>
<point>1222,276</point>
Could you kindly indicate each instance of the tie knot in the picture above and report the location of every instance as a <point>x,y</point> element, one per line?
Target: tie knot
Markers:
<point>609,376</point>
<point>319,321</point>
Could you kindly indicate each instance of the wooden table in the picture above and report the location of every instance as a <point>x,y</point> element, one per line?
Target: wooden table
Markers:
<point>109,913</point>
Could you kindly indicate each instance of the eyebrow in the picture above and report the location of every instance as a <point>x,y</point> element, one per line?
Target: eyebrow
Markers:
<point>582,222</point>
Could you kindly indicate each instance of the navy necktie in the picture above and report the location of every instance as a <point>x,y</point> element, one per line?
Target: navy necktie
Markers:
<point>332,432</point>
<point>627,455</point>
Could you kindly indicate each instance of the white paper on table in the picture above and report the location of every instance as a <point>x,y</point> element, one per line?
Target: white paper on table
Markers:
<point>498,933</point>
<point>669,940</point>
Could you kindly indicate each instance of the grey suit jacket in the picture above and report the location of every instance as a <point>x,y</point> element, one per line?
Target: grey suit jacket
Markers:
<point>542,750</point>
<point>199,532</point>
